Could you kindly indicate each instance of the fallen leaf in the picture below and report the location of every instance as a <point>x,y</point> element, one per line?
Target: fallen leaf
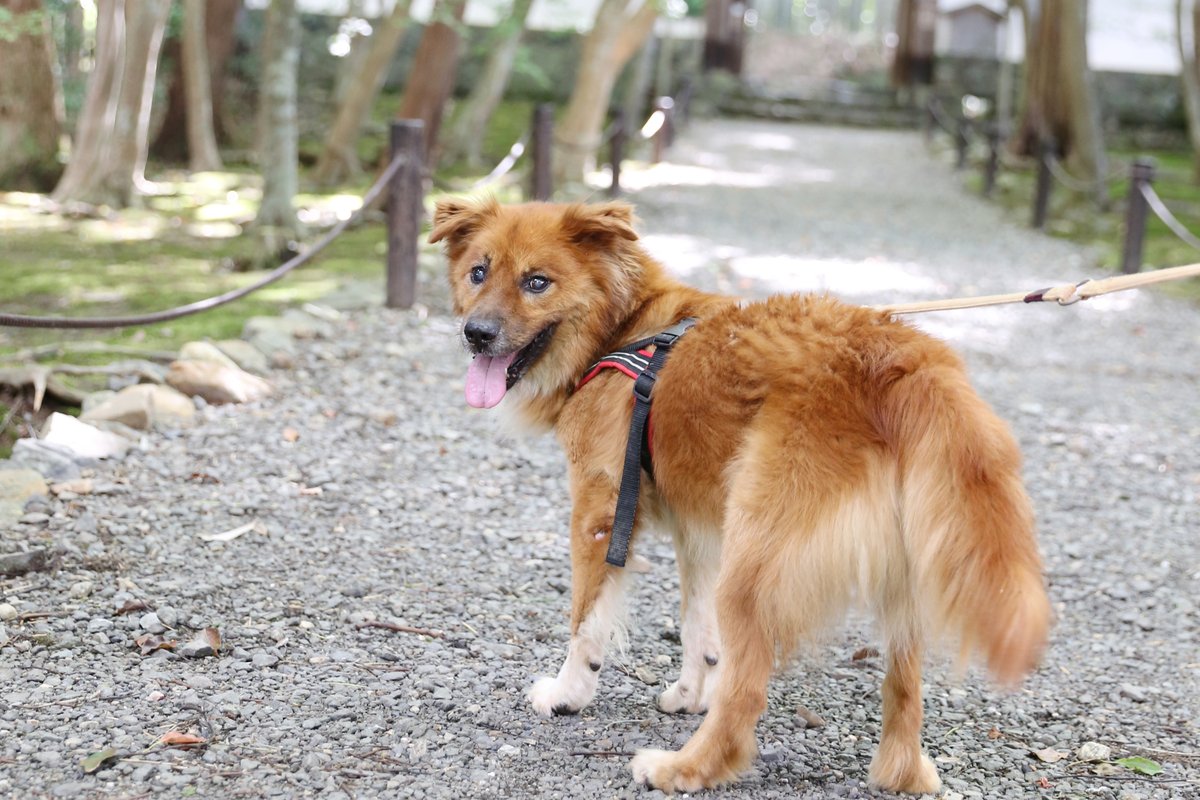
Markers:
<point>311,491</point>
<point>212,637</point>
<point>290,434</point>
<point>150,642</point>
<point>994,733</point>
<point>1140,765</point>
<point>864,652</point>
<point>179,739</point>
<point>96,760</point>
<point>1049,755</point>
<point>131,606</point>
<point>229,535</point>
<point>203,477</point>
<point>1044,782</point>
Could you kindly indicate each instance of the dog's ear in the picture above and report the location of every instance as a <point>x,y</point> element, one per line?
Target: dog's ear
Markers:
<point>601,221</point>
<point>455,219</point>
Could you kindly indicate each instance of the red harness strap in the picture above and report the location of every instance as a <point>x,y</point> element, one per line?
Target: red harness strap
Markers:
<point>631,364</point>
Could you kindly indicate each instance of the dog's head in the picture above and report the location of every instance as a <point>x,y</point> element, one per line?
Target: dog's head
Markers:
<point>536,286</point>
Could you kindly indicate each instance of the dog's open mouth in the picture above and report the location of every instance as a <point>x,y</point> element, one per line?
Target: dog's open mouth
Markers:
<point>490,377</point>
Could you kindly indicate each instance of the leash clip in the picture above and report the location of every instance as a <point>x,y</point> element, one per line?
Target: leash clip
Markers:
<point>1074,297</point>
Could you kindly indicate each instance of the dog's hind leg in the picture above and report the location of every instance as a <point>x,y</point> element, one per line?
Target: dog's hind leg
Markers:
<point>698,554</point>
<point>899,765</point>
<point>597,604</point>
<point>724,745</point>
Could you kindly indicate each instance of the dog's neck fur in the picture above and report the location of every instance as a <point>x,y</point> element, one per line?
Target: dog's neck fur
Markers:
<point>652,301</point>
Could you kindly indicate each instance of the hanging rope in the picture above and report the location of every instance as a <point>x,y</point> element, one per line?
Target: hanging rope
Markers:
<point>377,188</point>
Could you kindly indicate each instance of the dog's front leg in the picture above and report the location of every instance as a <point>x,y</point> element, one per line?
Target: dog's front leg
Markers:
<point>597,605</point>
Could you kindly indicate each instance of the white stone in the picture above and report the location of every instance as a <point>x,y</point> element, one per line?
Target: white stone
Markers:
<point>144,406</point>
<point>216,383</point>
<point>82,439</point>
<point>205,351</point>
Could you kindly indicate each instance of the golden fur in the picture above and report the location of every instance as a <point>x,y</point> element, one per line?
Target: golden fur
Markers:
<point>808,455</point>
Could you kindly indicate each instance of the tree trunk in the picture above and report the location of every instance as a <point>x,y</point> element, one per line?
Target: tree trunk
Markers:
<point>616,35</point>
<point>108,161</point>
<point>465,137</point>
<point>220,39</point>
<point>434,69</point>
<point>339,158</point>
<point>278,132</point>
<point>202,138</point>
<point>30,99</point>
<point>916,26</point>
<point>350,63</point>
<point>724,35</point>
<point>638,88</point>
<point>1060,100</point>
<point>1187,36</point>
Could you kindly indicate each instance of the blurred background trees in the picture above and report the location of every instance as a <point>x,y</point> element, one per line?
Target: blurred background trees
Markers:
<point>300,92</point>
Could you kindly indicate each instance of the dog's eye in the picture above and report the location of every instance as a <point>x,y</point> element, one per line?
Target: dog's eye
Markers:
<point>537,283</point>
<point>478,273</point>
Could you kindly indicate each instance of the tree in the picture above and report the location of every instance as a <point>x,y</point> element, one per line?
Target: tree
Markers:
<point>201,136</point>
<point>724,35</point>
<point>30,99</point>
<point>108,156</point>
<point>220,29</point>
<point>619,30</point>
<point>339,157</point>
<point>916,25</point>
<point>434,68</point>
<point>1187,36</point>
<point>278,133</point>
<point>464,140</point>
<point>1059,99</point>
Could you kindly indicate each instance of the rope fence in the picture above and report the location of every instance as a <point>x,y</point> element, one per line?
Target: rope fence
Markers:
<point>393,168</point>
<point>403,183</point>
<point>1141,200</point>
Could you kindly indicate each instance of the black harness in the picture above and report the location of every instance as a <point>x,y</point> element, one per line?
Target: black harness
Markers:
<point>636,361</point>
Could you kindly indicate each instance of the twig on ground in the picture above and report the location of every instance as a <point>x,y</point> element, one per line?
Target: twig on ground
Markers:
<point>603,753</point>
<point>392,626</point>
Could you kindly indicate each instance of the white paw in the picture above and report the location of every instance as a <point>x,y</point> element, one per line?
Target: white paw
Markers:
<point>680,699</point>
<point>646,764</point>
<point>551,696</point>
<point>661,769</point>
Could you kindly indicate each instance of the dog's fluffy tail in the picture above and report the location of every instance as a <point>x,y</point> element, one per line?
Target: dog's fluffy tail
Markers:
<point>967,522</point>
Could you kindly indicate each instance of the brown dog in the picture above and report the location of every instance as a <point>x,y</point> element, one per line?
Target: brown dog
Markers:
<point>807,455</point>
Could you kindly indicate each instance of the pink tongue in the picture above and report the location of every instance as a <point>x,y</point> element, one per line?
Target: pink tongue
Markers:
<point>487,380</point>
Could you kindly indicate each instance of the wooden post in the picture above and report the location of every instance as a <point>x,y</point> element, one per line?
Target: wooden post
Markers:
<point>993,160</point>
<point>668,107</point>
<point>684,99</point>
<point>405,208</point>
<point>1141,174</point>
<point>962,140</point>
<point>617,153</point>
<point>1041,197</point>
<point>662,106</point>
<point>543,143</point>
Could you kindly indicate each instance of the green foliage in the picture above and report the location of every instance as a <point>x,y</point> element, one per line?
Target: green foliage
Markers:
<point>14,26</point>
<point>1140,765</point>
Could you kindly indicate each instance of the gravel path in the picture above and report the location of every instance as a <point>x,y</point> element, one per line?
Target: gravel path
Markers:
<point>380,497</point>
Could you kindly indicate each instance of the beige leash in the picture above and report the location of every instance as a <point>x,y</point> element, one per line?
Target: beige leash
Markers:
<point>1065,294</point>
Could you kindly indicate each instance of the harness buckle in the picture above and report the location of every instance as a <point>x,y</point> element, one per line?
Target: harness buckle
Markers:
<point>644,385</point>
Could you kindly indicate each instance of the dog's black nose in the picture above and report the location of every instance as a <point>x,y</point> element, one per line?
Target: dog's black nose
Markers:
<point>481,332</point>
